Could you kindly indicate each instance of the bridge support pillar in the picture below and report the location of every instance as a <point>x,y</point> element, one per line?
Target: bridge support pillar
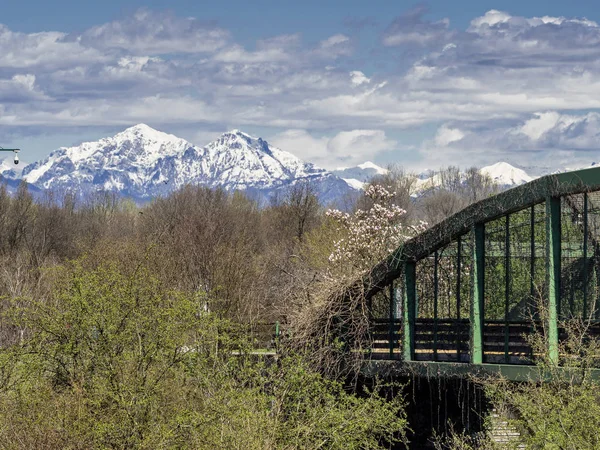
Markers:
<point>409,310</point>
<point>477,300</point>
<point>392,317</point>
<point>553,269</point>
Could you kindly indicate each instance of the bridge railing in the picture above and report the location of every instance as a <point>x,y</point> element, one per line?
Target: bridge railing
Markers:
<point>448,340</point>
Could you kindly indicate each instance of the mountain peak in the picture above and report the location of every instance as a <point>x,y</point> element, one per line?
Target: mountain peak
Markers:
<point>505,174</point>
<point>146,132</point>
<point>143,162</point>
<point>358,176</point>
<point>371,165</point>
<point>130,151</point>
<point>500,165</point>
<point>140,127</point>
<point>239,133</point>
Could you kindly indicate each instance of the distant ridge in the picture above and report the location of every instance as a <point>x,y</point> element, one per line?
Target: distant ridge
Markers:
<point>359,175</point>
<point>142,163</point>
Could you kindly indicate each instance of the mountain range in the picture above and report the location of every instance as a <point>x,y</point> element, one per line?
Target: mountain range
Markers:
<point>142,163</point>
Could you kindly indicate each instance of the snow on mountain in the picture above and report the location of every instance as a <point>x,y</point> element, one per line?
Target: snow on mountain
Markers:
<point>239,161</point>
<point>9,169</point>
<point>354,183</point>
<point>126,161</point>
<point>358,176</point>
<point>142,162</point>
<point>506,175</point>
<point>502,173</point>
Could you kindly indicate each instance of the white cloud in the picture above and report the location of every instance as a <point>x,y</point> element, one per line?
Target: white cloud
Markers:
<point>503,80</point>
<point>236,54</point>
<point>334,40</point>
<point>410,28</point>
<point>540,124</point>
<point>43,51</point>
<point>547,139</point>
<point>346,148</point>
<point>149,32</point>
<point>136,63</point>
<point>445,136</point>
<point>302,144</point>
<point>333,47</point>
<point>357,78</point>
<point>19,89</point>
<point>490,18</point>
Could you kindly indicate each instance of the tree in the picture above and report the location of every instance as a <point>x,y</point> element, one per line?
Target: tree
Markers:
<point>116,359</point>
<point>400,184</point>
<point>451,190</point>
<point>371,234</point>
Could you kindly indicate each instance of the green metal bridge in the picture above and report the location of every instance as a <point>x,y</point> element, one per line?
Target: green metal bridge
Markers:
<point>468,294</point>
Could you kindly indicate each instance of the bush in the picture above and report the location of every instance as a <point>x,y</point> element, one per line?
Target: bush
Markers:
<point>116,360</point>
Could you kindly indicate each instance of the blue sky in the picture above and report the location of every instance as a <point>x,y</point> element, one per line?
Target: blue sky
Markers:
<point>336,83</point>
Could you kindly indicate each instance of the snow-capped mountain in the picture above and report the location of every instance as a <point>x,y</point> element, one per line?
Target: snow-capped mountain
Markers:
<point>506,175</point>
<point>126,162</point>
<point>142,163</point>
<point>358,176</point>
<point>9,169</point>
<point>502,173</point>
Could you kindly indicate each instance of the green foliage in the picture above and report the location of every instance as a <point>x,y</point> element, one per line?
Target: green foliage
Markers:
<point>114,359</point>
<point>319,414</point>
<point>563,411</point>
<point>554,415</point>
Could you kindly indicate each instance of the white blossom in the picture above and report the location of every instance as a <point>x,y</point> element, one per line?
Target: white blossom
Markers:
<point>371,234</point>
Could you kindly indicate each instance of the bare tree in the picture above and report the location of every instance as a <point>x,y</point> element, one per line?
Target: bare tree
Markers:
<point>401,183</point>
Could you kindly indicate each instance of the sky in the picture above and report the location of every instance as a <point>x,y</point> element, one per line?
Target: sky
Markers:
<point>337,83</point>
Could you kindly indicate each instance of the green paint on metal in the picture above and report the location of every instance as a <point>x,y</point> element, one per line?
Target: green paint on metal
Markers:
<point>477,301</point>
<point>585,255</point>
<point>436,290</point>
<point>596,278</point>
<point>553,239</point>
<point>507,284</point>
<point>532,270</point>
<point>458,286</point>
<point>532,255</point>
<point>506,202</point>
<point>410,300</point>
<point>391,338</point>
<point>547,189</point>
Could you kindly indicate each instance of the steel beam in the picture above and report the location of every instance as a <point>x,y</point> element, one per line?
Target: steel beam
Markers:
<point>391,337</point>
<point>585,256</point>
<point>507,285</point>
<point>553,256</point>
<point>458,290</point>
<point>436,291</point>
<point>409,313</point>
<point>477,299</point>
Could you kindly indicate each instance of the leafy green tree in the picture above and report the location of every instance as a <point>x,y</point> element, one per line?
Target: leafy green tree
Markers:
<point>115,359</point>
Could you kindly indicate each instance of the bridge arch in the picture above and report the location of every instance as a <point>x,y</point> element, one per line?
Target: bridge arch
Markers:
<point>469,288</point>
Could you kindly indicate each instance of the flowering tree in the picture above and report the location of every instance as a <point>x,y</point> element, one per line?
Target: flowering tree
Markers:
<point>335,329</point>
<point>371,234</point>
